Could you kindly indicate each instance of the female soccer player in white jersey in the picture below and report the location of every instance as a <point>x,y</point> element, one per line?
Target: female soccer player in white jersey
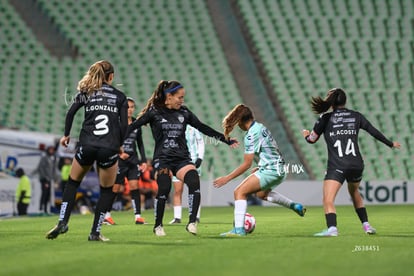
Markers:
<point>103,131</point>
<point>269,173</point>
<point>340,129</point>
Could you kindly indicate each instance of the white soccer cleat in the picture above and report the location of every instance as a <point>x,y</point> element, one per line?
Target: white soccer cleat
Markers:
<point>330,232</point>
<point>159,231</point>
<point>99,237</point>
<point>368,228</point>
<point>175,221</point>
<point>192,228</point>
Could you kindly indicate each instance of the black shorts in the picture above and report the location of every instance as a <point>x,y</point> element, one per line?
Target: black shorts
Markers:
<point>350,175</point>
<point>105,158</point>
<point>128,170</point>
<point>173,166</point>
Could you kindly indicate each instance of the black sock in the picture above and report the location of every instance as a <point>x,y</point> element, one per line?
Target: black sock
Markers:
<point>192,180</point>
<point>136,201</point>
<point>113,198</point>
<point>164,187</point>
<point>330,219</point>
<point>104,203</point>
<point>68,200</point>
<point>362,214</point>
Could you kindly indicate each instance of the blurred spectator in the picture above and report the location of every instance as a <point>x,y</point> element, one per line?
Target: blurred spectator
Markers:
<point>23,192</point>
<point>65,172</point>
<point>46,170</point>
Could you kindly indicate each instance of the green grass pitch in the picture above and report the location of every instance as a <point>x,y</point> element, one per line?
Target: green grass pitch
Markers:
<point>282,244</point>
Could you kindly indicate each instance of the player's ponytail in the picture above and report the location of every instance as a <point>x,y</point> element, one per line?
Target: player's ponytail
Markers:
<point>336,97</point>
<point>98,73</point>
<point>158,97</point>
<point>240,114</point>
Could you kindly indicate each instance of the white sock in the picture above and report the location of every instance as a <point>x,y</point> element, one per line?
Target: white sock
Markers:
<point>240,207</point>
<point>177,211</point>
<point>108,215</point>
<point>198,212</point>
<point>137,216</point>
<point>280,199</point>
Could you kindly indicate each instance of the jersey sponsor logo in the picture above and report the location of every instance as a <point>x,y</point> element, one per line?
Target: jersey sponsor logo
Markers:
<point>109,95</point>
<point>351,126</point>
<point>172,126</point>
<point>349,120</point>
<point>342,114</point>
<point>336,120</point>
<point>92,100</point>
<point>249,148</point>
<point>107,88</point>
<point>111,101</point>
<point>170,144</point>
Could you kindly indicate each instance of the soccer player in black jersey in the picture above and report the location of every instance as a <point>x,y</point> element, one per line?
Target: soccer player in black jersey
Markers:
<point>340,129</point>
<point>168,118</point>
<point>103,130</point>
<point>128,167</point>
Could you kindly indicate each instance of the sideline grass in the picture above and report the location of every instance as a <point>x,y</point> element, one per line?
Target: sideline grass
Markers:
<point>282,244</point>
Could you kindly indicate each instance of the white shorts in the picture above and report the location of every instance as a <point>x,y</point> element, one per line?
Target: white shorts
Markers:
<point>269,179</point>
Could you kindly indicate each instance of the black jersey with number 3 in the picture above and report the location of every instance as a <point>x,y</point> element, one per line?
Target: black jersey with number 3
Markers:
<point>106,118</point>
<point>341,128</point>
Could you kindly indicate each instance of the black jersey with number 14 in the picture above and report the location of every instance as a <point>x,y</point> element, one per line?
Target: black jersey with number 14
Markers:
<point>341,128</point>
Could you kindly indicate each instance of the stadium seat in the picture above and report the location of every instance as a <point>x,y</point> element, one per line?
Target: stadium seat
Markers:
<point>361,46</point>
<point>144,50</point>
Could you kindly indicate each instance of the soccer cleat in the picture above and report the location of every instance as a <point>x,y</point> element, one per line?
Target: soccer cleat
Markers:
<point>298,209</point>
<point>192,228</point>
<point>235,232</point>
<point>109,221</point>
<point>330,232</point>
<point>100,237</point>
<point>175,221</point>
<point>140,221</point>
<point>159,231</point>
<point>60,228</point>
<point>368,228</point>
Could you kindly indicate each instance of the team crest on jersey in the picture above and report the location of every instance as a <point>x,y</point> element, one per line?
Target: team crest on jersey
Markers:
<point>181,118</point>
<point>265,132</point>
<point>336,120</point>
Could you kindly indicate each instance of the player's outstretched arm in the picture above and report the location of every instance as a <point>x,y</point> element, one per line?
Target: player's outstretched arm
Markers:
<point>247,163</point>
<point>396,145</point>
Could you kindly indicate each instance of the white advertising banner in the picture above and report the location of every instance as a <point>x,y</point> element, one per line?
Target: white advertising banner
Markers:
<point>307,192</point>
<point>310,192</point>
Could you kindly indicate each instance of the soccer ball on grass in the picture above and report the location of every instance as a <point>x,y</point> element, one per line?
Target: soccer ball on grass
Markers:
<point>249,223</point>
